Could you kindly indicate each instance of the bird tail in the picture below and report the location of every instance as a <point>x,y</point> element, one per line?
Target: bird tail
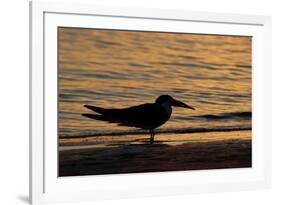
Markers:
<point>100,117</point>
<point>96,109</point>
<point>108,115</point>
<point>94,116</point>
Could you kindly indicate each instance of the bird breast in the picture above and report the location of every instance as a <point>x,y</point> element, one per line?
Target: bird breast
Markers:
<point>168,109</point>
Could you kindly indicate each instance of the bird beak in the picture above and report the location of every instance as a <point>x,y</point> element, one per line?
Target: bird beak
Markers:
<point>178,103</point>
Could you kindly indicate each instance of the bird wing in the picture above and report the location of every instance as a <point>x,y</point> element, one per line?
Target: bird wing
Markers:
<point>144,116</point>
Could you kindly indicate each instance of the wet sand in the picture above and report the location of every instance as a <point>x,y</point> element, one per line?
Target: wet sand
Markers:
<point>195,154</point>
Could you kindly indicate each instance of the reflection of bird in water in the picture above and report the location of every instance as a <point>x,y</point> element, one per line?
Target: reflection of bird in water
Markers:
<point>145,116</point>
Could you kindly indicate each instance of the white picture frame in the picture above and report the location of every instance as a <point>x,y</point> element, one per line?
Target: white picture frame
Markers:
<point>46,187</point>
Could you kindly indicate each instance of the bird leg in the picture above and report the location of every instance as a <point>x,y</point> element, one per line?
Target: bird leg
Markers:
<point>151,136</point>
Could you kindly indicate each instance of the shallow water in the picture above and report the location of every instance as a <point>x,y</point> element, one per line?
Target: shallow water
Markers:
<point>170,138</point>
<point>115,69</point>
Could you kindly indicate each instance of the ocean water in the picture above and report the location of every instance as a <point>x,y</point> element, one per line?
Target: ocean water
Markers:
<point>116,69</point>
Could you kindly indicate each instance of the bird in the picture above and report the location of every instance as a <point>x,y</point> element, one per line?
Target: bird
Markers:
<point>146,116</point>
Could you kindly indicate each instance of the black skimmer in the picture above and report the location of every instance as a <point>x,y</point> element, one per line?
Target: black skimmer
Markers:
<point>145,116</point>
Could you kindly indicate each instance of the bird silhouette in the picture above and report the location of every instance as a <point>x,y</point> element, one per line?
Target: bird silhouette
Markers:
<point>145,116</point>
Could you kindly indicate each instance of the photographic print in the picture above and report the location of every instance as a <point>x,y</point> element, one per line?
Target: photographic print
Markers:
<point>144,101</point>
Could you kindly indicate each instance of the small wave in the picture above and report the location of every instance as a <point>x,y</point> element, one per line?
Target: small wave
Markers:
<point>163,131</point>
<point>223,116</point>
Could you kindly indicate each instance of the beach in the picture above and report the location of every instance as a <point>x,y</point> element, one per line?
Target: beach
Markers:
<point>198,151</point>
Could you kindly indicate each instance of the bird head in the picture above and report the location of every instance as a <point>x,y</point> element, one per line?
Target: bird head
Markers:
<point>168,100</point>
